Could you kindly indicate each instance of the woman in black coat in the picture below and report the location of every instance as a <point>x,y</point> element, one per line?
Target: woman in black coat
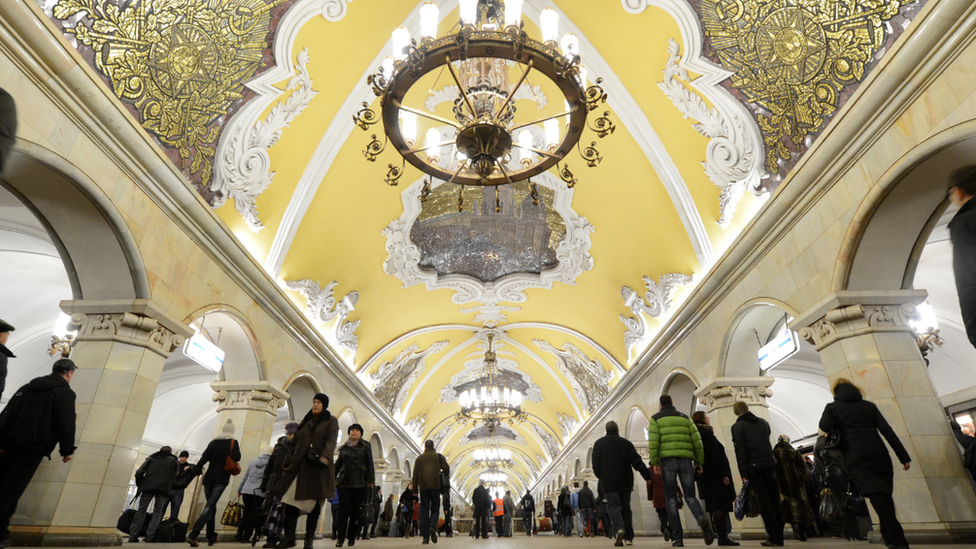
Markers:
<point>715,481</point>
<point>215,481</point>
<point>355,475</point>
<point>866,459</point>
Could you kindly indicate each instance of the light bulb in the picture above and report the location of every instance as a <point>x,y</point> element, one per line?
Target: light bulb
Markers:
<point>428,20</point>
<point>401,40</point>
<point>582,76</point>
<point>388,67</point>
<point>469,11</point>
<point>569,45</point>
<point>513,12</point>
<point>525,142</point>
<point>408,126</point>
<point>552,133</point>
<point>549,21</point>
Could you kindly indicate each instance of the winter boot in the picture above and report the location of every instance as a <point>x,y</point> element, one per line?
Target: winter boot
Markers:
<point>290,525</point>
<point>722,532</point>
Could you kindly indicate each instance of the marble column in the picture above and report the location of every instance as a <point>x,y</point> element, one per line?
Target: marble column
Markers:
<point>718,396</point>
<point>865,337</point>
<point>119,350</point>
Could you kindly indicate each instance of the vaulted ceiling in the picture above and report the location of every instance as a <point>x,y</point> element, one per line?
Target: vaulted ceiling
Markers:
<point>417,286</point>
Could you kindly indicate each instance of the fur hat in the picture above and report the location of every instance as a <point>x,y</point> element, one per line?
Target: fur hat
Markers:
<point>291,428</point>
<point>323,398</point>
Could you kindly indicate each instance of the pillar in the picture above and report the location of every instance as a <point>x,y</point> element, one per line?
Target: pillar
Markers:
<point>865,337</point>
<point>119,350</point>
<point>718,396</point>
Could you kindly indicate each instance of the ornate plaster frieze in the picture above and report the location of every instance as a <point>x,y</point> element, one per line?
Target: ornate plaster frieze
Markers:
<point>548,440</point>
<point>724,392</point>
<point>734,157</point>
<point>508,369</point>
<point>567,425</point>
<point>441,433</point>
<point>393,379</point>
<point>658,298</point>
<point>589,379</point>
<point>323,307</point>
<point>415,426</point>
<point>501,432</point>
<point>138,322</point>
<point>243,168</point>
<point>572,253</point>
<point>450,93</point>
<point>259,396</point>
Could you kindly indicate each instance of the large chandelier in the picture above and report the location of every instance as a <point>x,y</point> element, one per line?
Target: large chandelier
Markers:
<point>489,401</point>
<point>494,478</point>
<point>492,456</point>
<point>493,135</point>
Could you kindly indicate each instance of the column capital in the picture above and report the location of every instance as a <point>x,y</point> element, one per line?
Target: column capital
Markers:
<point>138,322</point>
<point>723,392</point>
<point>846,314</point>
<point>380,465</point>
<point>259,396</point>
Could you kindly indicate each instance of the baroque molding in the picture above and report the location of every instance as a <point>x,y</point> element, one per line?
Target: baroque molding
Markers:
<point>138,322</point>
<point>258,396</point>
<point>572,252</point>
<point>724,392</point>
<point>855,320</point>
<point>243,169</point>
<point>567,425</point>
<point>658,298</point>
<point>589,379</point>
<point>393,379</point>
<point>548,440</point>
<point>323,307</point>
<point>733,159</point>
<point>415,426</point>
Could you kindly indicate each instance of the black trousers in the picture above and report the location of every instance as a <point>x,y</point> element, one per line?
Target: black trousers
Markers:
<point>481,524</point>
<point>891,529</point>
<point>350,502</point>
<point>763,480</point>
<point>252,514</point>
<point>17,467</point>
<point>312,521</point>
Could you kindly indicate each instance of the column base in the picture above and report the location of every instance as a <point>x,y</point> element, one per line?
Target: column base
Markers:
<point>62,536</point>
<point>932,537</point>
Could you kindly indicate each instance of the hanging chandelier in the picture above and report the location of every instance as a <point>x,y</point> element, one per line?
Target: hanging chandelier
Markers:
<point>489,401</point>
<point>494,478</point>
<point>493,135</point>
<point>492,456</point>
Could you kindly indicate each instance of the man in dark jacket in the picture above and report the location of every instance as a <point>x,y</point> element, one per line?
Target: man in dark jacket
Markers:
<point>40,416</point>
<point>962,233</point>
<point>757,466</point>
<point>154,478</point>
<point>587,504</point>
<point>5,353</point>
<point>614,459</point>
<point>184,477</point>
<point>427,478</point>
<point>8,126</point>
<point>482,504</point>
<point>528,512</point>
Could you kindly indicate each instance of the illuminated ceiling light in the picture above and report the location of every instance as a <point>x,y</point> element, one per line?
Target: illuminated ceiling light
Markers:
<point>489,401</point>
<point>486,121</point>
<point>408,126</point>
<point>926,327</point>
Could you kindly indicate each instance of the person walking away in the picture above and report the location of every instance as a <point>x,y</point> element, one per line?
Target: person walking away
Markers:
<point>215,480</point>
<point>655,493</point>
<point>389,514</point>
<point>481,500</point>
<point>5,330</point>
<point>308,475</point>
<point>564,507</point>
<point>675,447</point>
<point>528,513</point>
<point>962,233</point>
<point>406,511</point>
<point>272,471</point>
<point>715,484</point>
<point>614,461</point>
<point>757,465</point>
<point>498,510</point>
<point>184,477</point>
<point>509,505</point>
<point>427,471</point>
<point>586,506</point>
<point>574,502</point>
<point>40,416</point>
<point>154,480</point>
<point>829,468</point>
<point>250,491</point>
<point>792,478</point>
<point>355,475</point>
<point>866,460</point>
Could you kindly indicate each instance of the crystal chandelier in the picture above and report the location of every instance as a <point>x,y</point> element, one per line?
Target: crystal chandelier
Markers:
<point>494,478</point>
<point>493,135</point>
<point>490,402</point>
<point>492,456</point>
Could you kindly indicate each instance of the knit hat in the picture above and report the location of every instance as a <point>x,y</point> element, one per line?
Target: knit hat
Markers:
<point>355,426</point>
<point>291,428</point>
<point>63,366</point>
<point>228,428</point>
<point>783,438</point>
<point>5,327</point>
<point>323,398</point>
<point>184,454</point>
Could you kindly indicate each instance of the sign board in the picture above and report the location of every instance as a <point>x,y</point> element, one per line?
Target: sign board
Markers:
<point>204,353</point>
<point>782,346</point>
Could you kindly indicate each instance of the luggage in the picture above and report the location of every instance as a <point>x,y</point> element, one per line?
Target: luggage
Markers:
<point>179,531</point>
<point>125,520</point>
<point>164,532</point>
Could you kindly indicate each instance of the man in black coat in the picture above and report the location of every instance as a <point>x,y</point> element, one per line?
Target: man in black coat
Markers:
<point>962,233</point>
<point>184,477</point>
<point>40,416</point>
<point>757,466</point>
<point>154,478</point>
<point>528,512</point>
<point>482,503</point>
<point>587,504</point>
<point>5,353</point>
<point>614,461</point>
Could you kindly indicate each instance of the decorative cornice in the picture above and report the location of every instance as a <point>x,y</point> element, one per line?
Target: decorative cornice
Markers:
<point>138,322</point>
<point>589,379</point>
<point>567,425</point>
<point>723,392</point>
<point>572,253</point>
<point>658,298</point>
<point>550,444</point>
<point>258,396</point>
<point>323,307</point>
<point>734,157</point>
<point>843,315</point>
<point>415,426</point>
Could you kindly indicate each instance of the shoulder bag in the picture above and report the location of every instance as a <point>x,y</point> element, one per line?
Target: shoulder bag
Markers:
<point>232,513</point>
<point>230,465</point>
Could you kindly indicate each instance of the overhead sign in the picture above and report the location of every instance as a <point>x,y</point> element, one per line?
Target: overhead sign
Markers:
<point>204,353</point>
<point>780,348</point>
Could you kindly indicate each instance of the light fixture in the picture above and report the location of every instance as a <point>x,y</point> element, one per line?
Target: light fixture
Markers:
<point>487,120</point>
<point>489,401</point>
<point>926,327</point>
<point>492,456</point>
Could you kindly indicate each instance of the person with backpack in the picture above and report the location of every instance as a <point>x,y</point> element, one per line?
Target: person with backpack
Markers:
<point>564,507</point>
<point>223,455</point>
<point>528,512</point>
<point>154,479</point>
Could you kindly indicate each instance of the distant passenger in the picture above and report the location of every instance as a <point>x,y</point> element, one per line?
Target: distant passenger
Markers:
<point>757,465</point>
<point>427,471</point>
<point>154,478</point>
<point>614,461</point>
<point>215,481</point>
<point>962,233</point>
<point>355,476</point>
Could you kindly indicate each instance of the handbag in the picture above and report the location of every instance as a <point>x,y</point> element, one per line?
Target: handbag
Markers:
<point>830,508</point>
<point>276,517</point>
<point>739,505</point>
<point>232,513</point>
<point>316,458</point>
<point>230,465</point>
<point>446,480</point>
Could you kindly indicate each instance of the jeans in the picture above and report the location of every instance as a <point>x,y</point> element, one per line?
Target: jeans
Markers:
<point>175,502</point>
<point>621,517</point>
<point>17,467</point>
<point>586,519</point>
<point>430,508</point>
<point>567,525</point>
<point>140,517</point>
<point>674,470</point>
<point>212,493</point>
<point>763,480</point>
<point>528,520</point>
<point>498,524</point>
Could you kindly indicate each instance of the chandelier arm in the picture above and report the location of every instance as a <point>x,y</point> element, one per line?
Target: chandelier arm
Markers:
<point>433,117</point>
<point>536,151</point>
<point>422,149</point>
<point>538,120</point>
<point>456,172</point>
<point>511,95</point>
<point>507,178</point>
<point>464,94</point>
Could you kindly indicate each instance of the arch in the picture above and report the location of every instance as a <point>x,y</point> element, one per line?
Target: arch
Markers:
<point>763,316</point>
<point>589,458</point>
<point>681,385</point>
<point>407,471</point>
<point>346,418</point>
<point>577,468</point>
<point>98,250</point>
<point>301,389</point>
<point>229,329</point>
<point>394,459</point>
<point>377,445</point>
<point>636,429</point>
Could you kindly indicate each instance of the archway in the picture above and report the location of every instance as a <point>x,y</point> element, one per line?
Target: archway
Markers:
<point>636,430</point>
<point>681,387</point>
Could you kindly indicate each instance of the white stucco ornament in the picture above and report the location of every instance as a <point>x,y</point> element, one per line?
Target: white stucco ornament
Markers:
<point>323,307</point>
<point>658,298</point>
